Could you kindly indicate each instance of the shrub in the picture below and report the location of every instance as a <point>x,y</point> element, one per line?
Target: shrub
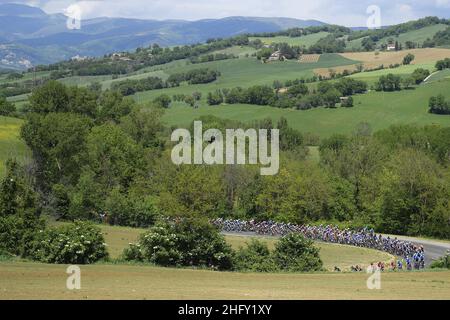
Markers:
<point>442,263</point>
<point>6,108</point>
<point>256,257</point>
<point>297,254</point>
<point>408,59</point>
<point>184,243</point>
<point>17,233</point>
<point>419,75</point>
<point>77,243</point>
<point>347,103</point>
<point>438,105</point>
<point>130,210</point>
<point>162,101</point>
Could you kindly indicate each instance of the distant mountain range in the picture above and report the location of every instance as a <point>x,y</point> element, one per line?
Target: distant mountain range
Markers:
<point>29,36</point>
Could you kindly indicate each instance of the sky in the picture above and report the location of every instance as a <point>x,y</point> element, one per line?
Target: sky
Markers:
<point>342,12</point>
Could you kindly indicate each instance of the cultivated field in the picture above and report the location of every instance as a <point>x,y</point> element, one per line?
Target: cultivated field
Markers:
<point>245,72</point>
<point>309,58</point>
<point>306,41</point>
<point>372,59</point>
<point>25,280</point>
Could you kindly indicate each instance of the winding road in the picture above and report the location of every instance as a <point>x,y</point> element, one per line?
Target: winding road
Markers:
<point>434,249</point>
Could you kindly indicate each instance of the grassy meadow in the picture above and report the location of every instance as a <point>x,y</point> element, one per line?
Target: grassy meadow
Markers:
<point>244,72</point>
<point>11,146</point>
<point>379,109</point>
<point>26,280</point>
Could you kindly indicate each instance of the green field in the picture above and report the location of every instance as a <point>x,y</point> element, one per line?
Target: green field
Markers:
<point>306,41</point>
<point>28,280</point>
<point>246,72</point>
<point>379,109</point>
<point>10,144</point>
<point>19,280</point>
<point>416,36</point>
<point>439,75</point>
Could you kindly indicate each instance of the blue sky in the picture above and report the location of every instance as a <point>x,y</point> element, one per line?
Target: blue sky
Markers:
<point>349,12</point>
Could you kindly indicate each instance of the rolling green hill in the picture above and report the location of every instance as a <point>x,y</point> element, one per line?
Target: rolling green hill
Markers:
<point>379,109</point>
<point>246,72</point>
<point>306,41</point>
<point>416,36</point>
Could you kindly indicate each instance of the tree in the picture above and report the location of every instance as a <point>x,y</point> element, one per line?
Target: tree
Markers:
<point>113,156</point>
<point>113,106</point>
<point>17,195</point>
<point>297,254</point>
<point>407,82</point>
<point>277,85</point>
<point>298,90</point>
<point>419,75</point>
<point>162,101</point>
<point>414,195</point>
<point>186,242</point>
<point>58,142</point>
<point>144,126</point>
<point>215,98</point>
<point>197,95</point>
<point>438,105</point>
<point>347,103</point>
<point>331,97</point>
<point>189,100</point>
<point>51,97</point>
<point>408,59</point>
<point>6,108</point>
<point>389,82</point>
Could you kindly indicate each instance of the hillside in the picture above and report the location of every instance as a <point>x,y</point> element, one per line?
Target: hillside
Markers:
<point>29,36</point>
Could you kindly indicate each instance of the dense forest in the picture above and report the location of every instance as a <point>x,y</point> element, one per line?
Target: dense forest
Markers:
<point>100,153</point>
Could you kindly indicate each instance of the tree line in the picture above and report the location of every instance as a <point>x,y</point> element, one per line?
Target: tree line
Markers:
<point>297,96</point>
<point>196,76</point>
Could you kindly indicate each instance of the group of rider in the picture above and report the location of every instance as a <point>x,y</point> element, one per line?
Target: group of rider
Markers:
<point>411,255</point>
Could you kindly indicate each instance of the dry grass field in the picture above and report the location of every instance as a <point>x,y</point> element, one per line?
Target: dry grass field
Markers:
<point>26,280</point>
<point>372,60</point>
<point>309,58</point>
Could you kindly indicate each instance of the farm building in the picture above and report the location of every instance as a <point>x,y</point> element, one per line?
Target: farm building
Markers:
<point>277,56</point>
<point>391,47</point>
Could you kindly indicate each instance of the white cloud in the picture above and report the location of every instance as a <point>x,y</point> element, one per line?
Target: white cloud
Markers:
<point>346,12</point>
<point>443,3</point>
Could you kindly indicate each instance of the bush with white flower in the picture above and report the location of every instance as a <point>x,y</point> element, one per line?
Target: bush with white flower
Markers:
<point>186,242</point>
<point>77,243</point>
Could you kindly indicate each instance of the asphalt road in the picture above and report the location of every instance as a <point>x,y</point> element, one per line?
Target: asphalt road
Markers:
<point>433,249</point>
